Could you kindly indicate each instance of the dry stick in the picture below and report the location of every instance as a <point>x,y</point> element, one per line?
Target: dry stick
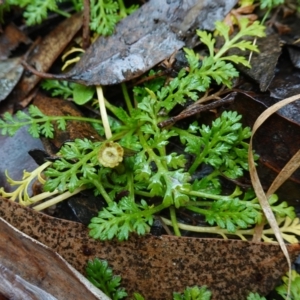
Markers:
<point>42,74</point>
<point>192,111</point>
<point>86,25</point>
<point>262,197</point>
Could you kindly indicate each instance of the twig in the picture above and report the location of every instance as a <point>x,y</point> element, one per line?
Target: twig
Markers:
<point>86,25</point>
<point>194,109</point>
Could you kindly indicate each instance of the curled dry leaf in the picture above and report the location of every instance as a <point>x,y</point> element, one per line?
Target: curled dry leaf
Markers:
<point>261,195</point>
<point>30,270</point>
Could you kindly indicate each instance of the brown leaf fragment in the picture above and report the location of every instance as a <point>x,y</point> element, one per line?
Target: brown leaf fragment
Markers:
<point>263,64</point>
<point>10,39</point>
<point>45,53</point>
<point>12,285</point>
<point>14,156</point>
<point>157,266</point>
<point>10,73</point>
<point>37,272</point>
<point>286,84</point>
<point>233,18</point>
<point>143,39</point>
<point>75,129</point>
<point>294,56</point>
<point>282,28</point>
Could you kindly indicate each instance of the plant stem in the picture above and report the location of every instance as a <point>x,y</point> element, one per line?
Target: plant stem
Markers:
<point>103,112</point>
<point>123,13</point>
<point>130,185</point>
<point>143,193</point>
<point>206,195</point>
<point>42,196</point>
<point>197,210</point>
<point>102,191</point>
<point>197,162</point>
<point>61,12</point>
<point>174,221</point>
<point>58,199</point>
<point>126,97</point>
<point>209,229</point>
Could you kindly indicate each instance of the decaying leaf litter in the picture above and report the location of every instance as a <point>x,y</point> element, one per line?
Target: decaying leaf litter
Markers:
<point>252,95</point>
<point>140,259</point>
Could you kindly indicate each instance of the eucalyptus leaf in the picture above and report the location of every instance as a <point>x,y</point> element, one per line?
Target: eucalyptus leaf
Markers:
<point>82,94</point>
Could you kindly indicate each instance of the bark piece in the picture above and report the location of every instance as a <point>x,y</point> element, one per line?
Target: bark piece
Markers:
<point>157,266</point>
<point>145,38</point>
<point>30,270</point>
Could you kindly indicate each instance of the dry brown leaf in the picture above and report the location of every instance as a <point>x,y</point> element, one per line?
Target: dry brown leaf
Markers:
<point>282,28</point>
<point>157,266</point>
<point>165,27</point>
<point>41,269</point>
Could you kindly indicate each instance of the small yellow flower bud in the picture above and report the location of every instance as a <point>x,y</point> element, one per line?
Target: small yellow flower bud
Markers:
<point>110,154</point>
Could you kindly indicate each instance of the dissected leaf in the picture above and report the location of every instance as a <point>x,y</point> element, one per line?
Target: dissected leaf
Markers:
<point>101,275</point>
<point>193,293</point>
